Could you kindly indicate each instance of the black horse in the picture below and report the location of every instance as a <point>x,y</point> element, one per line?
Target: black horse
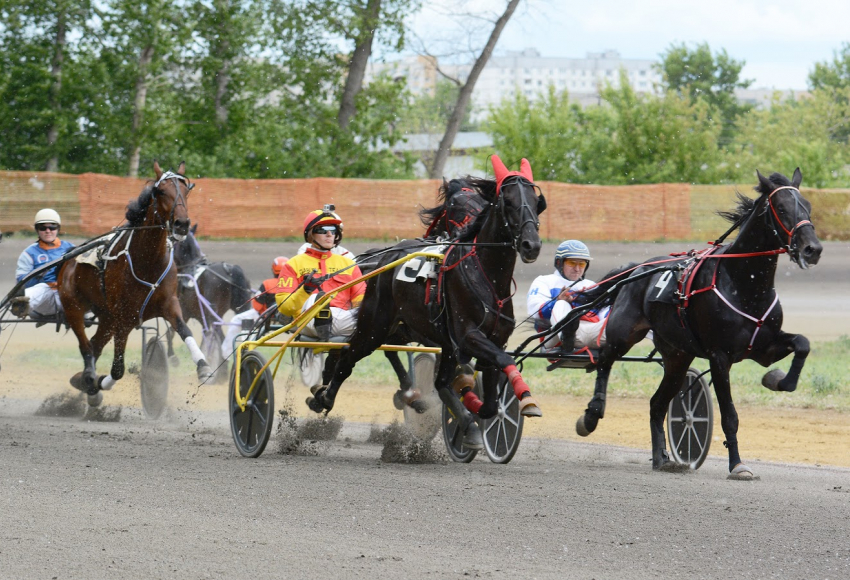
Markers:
<point>725,310</point>
<point>471,315</point>
<point>207,290</point>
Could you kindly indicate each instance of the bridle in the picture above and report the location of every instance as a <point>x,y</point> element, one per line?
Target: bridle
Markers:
<point>775,220</point>
<point>175,179</point>
<point>526,215</point>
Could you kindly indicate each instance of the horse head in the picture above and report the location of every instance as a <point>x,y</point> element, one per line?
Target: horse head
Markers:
<point>789,215</point>
<point>170,194</point>
<point>520,205</point>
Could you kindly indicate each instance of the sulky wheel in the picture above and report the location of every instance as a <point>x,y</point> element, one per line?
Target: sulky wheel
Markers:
<point>453,435</point>
<point>424,425</point>
<point>252,427</point>
<point>690,419</point>
<point>503,432</point>
<point>153,378</point>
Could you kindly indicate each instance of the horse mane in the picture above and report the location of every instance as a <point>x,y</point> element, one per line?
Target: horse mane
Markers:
<point>445,193</point>
<point>746,205</point>
<point>485,187</point>
<point>138,208</point>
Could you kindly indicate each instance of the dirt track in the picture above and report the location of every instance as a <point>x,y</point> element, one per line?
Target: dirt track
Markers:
<point>172,499</point>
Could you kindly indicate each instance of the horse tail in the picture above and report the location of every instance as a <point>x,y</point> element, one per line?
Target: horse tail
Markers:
<point>240,292</point>
<point>609,281</point>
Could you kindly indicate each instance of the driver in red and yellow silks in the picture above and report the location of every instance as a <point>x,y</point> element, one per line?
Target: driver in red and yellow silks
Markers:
<point>305,275</point>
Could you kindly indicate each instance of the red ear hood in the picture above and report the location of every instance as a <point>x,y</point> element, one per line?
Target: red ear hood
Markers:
<point>501,172</point>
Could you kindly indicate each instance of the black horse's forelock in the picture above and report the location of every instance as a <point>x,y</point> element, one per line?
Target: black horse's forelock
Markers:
<point>746,205</point>
<point>138,208</point>
<point>486,187</point>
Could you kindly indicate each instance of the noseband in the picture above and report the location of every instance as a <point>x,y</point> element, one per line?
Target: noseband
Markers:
<point>773,217</point>
<point>526,215</point>
<point>175,179</point>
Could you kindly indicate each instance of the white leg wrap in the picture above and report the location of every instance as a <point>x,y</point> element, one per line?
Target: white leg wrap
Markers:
<point>197,355</point>
<point>107,383</point>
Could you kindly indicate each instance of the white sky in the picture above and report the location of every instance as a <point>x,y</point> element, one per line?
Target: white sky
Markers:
<point>780,40</point>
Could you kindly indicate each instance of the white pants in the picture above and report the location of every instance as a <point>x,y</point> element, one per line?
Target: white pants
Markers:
<point>587,335</point>
<point>44,300</point>
<point>343,323</point>
<point>234,328</point>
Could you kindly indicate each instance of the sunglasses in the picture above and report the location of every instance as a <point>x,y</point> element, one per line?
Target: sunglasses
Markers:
<point>325,230</point>
<point>45,227</point>
<point>575,263</point>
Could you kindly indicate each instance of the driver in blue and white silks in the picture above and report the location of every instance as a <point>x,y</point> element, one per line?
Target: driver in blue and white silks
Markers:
<point>39,294</point>
<point>551,298</point>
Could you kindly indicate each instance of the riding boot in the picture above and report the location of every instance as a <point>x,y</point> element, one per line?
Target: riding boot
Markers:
<point>322,324</point>
<point>20,306</point>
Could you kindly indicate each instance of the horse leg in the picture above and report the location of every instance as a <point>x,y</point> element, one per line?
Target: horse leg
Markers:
<point>490,382</point>
<point>477,345</point>
<point>176,322</point>
<point>85,380</point>
<point>676,365</point>
<point>106,382</point>
<point>472,437</point>
<point>404,381</point>
<point>595,410</point>
<point>169,340</point>
<point>719,364</point>
<point>776,380</point>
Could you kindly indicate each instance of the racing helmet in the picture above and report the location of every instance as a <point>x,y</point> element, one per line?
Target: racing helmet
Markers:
<point>571,250</point>
<point>277,265</point>
<point>323,217</point>
<point>47,216</point>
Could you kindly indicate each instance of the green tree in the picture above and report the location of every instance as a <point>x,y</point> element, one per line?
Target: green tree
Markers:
<point>796,133</point>
<point>712,78</point>
<point>429,113</point>
<point>832,75</point>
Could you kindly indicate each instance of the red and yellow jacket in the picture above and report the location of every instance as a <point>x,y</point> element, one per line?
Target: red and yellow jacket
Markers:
<point>290,301</point>
<point>266,295</point>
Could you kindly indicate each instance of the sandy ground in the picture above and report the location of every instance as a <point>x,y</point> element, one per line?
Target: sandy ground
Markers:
<point>172,498</point>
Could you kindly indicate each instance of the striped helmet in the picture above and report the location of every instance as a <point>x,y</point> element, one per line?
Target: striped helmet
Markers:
<point>571,249</point>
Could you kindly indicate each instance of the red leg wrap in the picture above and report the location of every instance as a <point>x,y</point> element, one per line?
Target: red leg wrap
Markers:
<point>472,402</point>
<point>520,387</point>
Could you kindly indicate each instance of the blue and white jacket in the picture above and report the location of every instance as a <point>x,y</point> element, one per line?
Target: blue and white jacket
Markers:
<point>543,293</point>
<point>35,256</point>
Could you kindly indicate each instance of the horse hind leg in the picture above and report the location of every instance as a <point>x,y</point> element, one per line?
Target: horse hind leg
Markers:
<point>173,359</point>
<point>675,369</point>
<point>472,436</point>
<point>589,420</point>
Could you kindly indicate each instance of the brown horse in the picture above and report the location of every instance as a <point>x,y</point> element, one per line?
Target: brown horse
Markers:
<point>138,281</point>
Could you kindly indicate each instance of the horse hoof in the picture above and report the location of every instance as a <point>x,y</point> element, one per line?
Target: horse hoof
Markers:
<point>315,389</point>
<point>528,407</point>
<point>95,400</point>
<point>205,373</point>
<point>581,429</point>
<point>742,473</point>
<point>77,381</point>
<point>315,405</point>
<point>472,438</point>
<point>174,360</point>
<point>771,379</point>
<point>99,383</point>
<point>398,402</point>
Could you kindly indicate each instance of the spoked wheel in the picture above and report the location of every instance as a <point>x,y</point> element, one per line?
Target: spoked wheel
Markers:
<point>153,378</point>
<point>503,432</point>
<point>211,347</point>
<point>424,425</point>
<point>453,435</point>
<point>690,420</point>
<point>252,427</point>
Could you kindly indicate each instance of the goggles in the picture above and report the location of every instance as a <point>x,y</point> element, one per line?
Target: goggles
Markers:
<point>572,263</point>
<point>45,227</point>
<point>325,230</point>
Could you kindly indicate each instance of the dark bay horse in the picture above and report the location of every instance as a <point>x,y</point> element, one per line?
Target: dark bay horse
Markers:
<point>138,281</point>
<point>726,310</point>
<point>207,290</point>
<point>472,315</point>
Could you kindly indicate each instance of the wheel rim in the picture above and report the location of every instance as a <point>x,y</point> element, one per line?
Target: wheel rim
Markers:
<point>453,438</point>
<point>153,379</point>
<point>251,428</point>
<point>503,432</point>
<point>690,421</point>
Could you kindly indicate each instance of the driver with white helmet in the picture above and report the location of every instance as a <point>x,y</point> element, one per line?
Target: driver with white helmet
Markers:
<point>551,298</point>
<point>39,295</point>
